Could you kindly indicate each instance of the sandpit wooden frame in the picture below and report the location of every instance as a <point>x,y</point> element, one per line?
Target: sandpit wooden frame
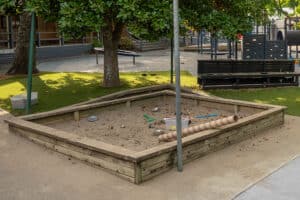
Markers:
<point>138,167</point>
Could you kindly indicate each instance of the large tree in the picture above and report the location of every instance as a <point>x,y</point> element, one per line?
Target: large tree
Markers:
<point>18,8</point>
<point>76,18</point>
<point>146,19</point>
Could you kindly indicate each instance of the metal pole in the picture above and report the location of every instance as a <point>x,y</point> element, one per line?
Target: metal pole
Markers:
<point>172,60</point>
<point>10,33</point>
<point>201,42</point>
<point>285,33</point>
<point>211,47</point>
<point>236,49</point>
<point>30,63</point>
<point>178,98</point>
<point>198,42</point>
<point>38,39</point>
<point>216,47</point>
<point>229,48</point>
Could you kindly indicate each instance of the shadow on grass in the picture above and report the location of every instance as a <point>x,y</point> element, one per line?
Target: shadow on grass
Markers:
<point>56,90</point>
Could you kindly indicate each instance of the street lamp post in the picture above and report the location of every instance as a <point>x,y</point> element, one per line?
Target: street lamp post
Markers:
<point>178,89</point>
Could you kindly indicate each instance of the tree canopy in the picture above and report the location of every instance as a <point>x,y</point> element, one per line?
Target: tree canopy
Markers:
<point>147,20</point>
<point>229,17</point>
<point>76,18</point>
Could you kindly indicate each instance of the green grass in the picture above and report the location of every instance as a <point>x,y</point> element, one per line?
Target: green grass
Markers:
<point>61,89</point>
<point>289,96</point>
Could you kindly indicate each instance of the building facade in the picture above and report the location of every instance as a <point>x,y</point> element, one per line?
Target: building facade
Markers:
<point>47,33</point>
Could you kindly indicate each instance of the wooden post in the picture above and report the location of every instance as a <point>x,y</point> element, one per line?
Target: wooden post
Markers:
<point>76,116</point>
<point>236,110</point>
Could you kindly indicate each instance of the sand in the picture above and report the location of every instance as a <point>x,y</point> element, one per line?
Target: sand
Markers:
<point>126,126</point>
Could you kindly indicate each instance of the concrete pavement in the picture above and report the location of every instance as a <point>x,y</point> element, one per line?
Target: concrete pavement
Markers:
<point>281,185</point>
<point>148,61</point>
<point>31,172</point>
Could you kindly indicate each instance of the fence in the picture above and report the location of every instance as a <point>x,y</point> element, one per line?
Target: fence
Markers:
<point>51,52</point>
<point>8,40</point>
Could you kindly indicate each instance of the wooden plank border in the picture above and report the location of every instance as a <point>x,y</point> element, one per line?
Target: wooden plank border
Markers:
<point>138,167</point>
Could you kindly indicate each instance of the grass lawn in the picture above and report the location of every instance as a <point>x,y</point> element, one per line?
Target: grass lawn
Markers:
<point>288,96</point>
<point>61,89</point>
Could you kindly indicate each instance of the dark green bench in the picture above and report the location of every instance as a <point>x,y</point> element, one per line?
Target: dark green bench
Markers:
<point>246,73</point>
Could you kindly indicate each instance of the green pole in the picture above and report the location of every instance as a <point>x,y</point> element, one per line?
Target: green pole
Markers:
<point>30,63</point>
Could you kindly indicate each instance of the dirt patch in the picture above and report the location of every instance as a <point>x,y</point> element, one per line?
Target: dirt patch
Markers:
<point>127,126</point>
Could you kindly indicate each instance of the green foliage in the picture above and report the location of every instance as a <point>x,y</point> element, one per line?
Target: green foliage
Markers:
<point>97,43</point>
<point>298,26</point>
<point>148,20</point>
<point>126,43</point>
<point>293,4</point>
<point>76,22</point>
<point>228,17</point>
<point>276,7</point>
<point>48,9</point>
<point>11,7</point>
<point>151,20</point>
<point>77,17</point>
<point>195,12</point>
<point>145,20</point>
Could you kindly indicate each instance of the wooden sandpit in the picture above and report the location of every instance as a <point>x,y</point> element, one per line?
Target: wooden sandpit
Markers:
<point>122,141</point>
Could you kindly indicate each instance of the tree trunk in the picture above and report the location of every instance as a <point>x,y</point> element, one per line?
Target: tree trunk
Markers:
<point>20,64</point>
<point>111,38</point>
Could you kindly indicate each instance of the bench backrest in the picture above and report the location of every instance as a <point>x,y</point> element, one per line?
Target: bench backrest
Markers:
<point>244,66</point>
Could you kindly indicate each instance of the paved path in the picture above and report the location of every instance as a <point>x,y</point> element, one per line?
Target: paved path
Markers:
<point>148,61</point>
<point>31,172</point>
<point>281,185</point>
